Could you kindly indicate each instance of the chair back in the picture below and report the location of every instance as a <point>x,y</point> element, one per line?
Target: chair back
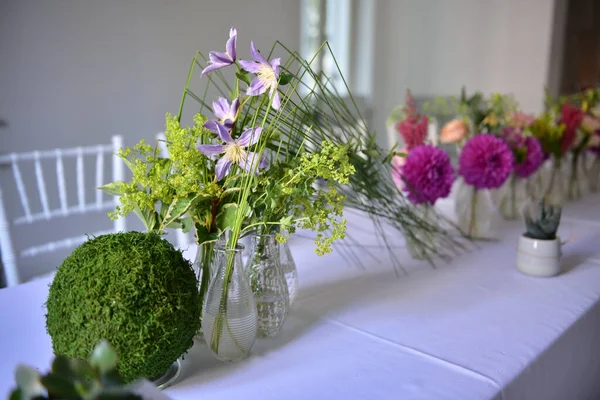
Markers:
<point>48,211</point>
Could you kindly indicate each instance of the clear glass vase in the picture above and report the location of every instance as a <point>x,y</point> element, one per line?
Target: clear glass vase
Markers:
<point>593,175</point>
<point>575,180</point>
<point>513,194</point>
<point>424,244</point>
<point>554,193</point>
<point>477,216</point>
<point>288,265</point>
<point>229,316</point>
<point>268,284</point>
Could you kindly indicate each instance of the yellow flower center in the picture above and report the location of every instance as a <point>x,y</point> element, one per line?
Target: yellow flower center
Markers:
<point>267,75</point>
<point>235,153</point>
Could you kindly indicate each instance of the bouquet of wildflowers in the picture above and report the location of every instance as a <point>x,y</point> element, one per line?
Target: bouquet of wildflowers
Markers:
<point>473,114</point>
<point>276,149</point>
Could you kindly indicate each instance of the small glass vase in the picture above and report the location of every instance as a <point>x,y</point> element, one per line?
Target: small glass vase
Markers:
<point>554,193</point>
<point>268,284</point>
<point>513,194</point>
<point>229,315</point>
<point>289,270</point>
<point>423,244</point>
<point>576,174</point>
<point>593,175</point>
<point>476,214</point>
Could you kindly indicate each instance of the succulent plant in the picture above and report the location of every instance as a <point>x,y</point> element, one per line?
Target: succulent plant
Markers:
<point>542,220</point>
<point>75,379</point>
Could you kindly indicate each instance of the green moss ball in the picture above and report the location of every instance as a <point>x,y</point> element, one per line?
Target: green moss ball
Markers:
<point>132,289</point>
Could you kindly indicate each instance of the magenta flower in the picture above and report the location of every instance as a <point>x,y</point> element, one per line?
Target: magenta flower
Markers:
<point>534,158</point>
<point>428,174</point>
<point>267,75</point>
<point>225,112</point>
<point>485,162</point>
<point>219,60</point>
<point>234,150</point>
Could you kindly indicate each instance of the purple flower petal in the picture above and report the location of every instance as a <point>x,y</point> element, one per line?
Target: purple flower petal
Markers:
<point>257,87</point>
<point>250,66</point>
<point>249,137</point>
<point>251,163</point>
<point>221,108</point>
<point>264,163</point>
<point>275,63</point>
<point>212,67</point>
<point>235,105</point>
<point>231,46</point>
<point>256,54</point>
<point>216,57</point>
<point>276,101</point>
<point>222,168</point>
<point>211,150</point>
<point>219,129</point>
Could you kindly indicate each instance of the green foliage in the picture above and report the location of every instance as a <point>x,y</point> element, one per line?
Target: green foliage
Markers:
<point>542,221</point>
<point>74,379</point>
<point>132,289</point>
<point>549,133</point>
<point>287,197</point>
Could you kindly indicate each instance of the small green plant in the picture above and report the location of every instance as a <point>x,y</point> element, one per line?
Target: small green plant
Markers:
<point>75,379</point>
<point>542,220</point>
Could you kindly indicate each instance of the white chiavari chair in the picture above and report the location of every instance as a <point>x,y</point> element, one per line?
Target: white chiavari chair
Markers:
<point>16,160</point>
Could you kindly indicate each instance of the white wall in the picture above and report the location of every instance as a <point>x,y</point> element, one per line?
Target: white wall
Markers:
<point>75,72</point>
<point>434,47</point>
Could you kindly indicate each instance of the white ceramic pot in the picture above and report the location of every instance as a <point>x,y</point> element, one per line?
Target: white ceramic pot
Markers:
<point>539,257</point>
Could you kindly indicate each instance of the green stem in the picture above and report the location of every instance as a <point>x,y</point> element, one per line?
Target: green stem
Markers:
<point>513,196</point>
<point>207,250</point>
<point>473,221</point>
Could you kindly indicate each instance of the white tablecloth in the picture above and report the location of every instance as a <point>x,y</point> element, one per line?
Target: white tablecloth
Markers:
<point>471,329</point>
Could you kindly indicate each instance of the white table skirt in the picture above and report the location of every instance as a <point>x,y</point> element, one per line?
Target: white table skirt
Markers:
<point>472,329</point>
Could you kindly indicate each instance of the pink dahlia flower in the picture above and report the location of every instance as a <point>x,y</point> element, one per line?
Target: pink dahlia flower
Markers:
<point>485,162</point>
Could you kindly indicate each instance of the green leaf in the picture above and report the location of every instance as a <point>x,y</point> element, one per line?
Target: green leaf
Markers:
<point>243,76</point>
<point>104,357</point>
<point>226,217</point>
<point>28,380</point>
<point>81,368</point>
<point>284,79</point>
<point>62,367</point>
<point>128,163</point>
<point>114,188</point>
<point>177,208</point>
<point>60,387</point>
<point>202,234</point>
<point>148,217</point>
<point>16,394</point>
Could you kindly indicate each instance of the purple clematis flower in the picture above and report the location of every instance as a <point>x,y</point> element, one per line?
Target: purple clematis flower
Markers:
<point>234,150</point>
<point>267,75</point>
<point>219,60</point>
<point>225,112</point>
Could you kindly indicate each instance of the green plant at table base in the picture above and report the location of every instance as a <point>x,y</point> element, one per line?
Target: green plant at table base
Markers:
<point>75,379</point>
<point>542,221</point>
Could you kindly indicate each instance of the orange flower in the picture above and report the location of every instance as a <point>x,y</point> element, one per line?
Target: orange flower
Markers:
<point>590,124</point>
<point>454,131</point>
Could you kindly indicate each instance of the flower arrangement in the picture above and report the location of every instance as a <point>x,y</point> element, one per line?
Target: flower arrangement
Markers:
<point>485,162</point>
<point>474,114</point>
<point>278,128</point>
<point>425,175</point>
<point>411,125</point>
<point>528,158</point>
